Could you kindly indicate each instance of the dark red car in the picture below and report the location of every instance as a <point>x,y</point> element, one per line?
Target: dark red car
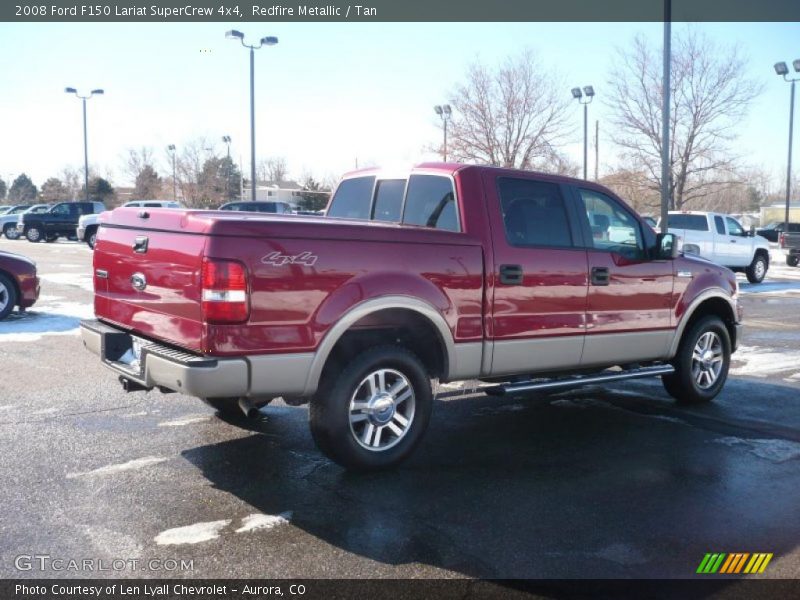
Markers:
<point>19,285</point>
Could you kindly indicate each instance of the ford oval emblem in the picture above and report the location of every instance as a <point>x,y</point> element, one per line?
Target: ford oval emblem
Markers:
<point>138,281</point>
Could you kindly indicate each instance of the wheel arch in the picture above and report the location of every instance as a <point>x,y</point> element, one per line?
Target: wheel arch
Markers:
<point>710,302</point>
<point>376,308</point>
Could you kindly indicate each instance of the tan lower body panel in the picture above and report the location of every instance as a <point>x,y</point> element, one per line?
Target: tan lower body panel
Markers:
<point>603,349</point>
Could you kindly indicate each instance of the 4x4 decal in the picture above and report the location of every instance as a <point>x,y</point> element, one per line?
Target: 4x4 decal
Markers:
<point>277,259</point>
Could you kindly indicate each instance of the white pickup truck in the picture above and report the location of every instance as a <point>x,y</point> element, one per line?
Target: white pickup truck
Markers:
<point>721,239</point>
<point>88,224</point>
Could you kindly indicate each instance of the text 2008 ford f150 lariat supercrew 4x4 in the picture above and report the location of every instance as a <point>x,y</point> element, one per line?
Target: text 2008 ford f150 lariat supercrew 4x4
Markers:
<point>444,271</point>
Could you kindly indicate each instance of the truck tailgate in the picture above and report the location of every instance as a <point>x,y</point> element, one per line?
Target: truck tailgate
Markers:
<point>147,276</point>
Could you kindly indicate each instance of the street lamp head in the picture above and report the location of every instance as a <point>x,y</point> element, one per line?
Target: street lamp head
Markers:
<point>70,90</point>
<point>270,40</point>
<point>97,92</point>
<point>589,91</point>
<point>576,93</point>
<point>447,110</point>
<point>796,65</point>
<point>438,110</point>
<point>226,139</point>
<point>781,68</point>
<point>171,147</point>
<point>233,34</point>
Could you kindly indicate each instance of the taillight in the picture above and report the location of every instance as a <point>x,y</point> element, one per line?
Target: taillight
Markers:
<point>781,239</point>
<point>224,295</point>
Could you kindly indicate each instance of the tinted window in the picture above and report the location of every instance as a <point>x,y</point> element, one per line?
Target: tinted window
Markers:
<point>794,227</point>
<point>352,199</point>
<point>733,227</point>
<point>691,222</point>
<point>61,209</point>
<point>719,224</point>
<point>533,213</point>
<point>389,199</point>
<point>430,202</point>
<point>613,228</point>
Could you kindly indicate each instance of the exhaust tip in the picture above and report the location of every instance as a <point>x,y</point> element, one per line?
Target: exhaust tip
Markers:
<point>249,409</point>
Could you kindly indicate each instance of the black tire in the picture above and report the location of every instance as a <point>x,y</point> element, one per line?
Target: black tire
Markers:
<point>330,410</point>
<point>91,237</point>
<point>683,384</point>
<point>10,231</point>
<point>50,238</point>
<point>34,234</point>
<point>8,296</point>
<point>757,269</point>
<point>793,260</point>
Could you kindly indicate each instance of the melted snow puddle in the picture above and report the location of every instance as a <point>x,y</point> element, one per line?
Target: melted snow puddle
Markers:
<point>776,451</point>
<point>192,534</point>
<point>131,465</point>
<point>258,521</point>
<point>188,420</point>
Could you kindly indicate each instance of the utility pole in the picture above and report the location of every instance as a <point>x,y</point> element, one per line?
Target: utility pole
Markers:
<point>666,168</point>
<point>596,150</point>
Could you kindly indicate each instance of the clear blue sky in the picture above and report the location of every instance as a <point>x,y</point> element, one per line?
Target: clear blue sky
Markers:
<point>325,95</point>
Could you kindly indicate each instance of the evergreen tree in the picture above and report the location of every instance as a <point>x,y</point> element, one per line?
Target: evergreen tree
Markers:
<point>22,190</point>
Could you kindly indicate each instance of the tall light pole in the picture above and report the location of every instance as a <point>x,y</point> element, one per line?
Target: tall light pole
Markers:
<point>666,167</point>
<point>71,90</point>
<point>265,41</point>
<point>171,148</point>
<point>576,93</point>
<point>444,111</point>
<point>783,70</point>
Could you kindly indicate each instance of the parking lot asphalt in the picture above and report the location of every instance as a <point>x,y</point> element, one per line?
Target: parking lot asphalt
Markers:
<point>601,482</point>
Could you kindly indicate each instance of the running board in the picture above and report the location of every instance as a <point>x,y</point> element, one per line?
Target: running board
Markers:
<point>578,380</point>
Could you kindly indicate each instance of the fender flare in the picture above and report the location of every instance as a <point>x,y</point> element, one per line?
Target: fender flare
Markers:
<point>706,295</point>
<point>361,310</point>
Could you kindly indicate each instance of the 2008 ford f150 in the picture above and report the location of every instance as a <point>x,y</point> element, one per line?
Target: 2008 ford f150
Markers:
<point>444,271</point>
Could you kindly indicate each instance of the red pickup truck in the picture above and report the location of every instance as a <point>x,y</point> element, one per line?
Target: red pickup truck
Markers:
<point>447,271</point>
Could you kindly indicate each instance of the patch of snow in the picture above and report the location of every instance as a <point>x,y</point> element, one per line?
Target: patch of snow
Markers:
<point>73,279</point>
<point>761,362</point>
<point>6,406</point>
<point>192,534</point>
<point>261,521</point>
<point>776,451</point>
<point>45,318</point>
<point>136,414</point>
<point>131,465</point>
<point>188,420</point>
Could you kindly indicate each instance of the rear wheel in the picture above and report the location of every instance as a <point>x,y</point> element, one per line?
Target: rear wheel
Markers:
<point>702,362</point>
<point>793,260</point>
<point>33,234</point>
<point>49,238</point>
<point>10,231</point>
<point>372,414</point>
<point>91,237</point>
<point>757,269</point>
<point>8,296</point>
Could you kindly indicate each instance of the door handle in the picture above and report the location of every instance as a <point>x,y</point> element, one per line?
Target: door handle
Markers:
<point>511,274</point>
<point>733,241</point>
<point>600,276</point>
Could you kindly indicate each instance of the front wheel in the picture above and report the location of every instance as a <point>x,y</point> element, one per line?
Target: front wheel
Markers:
<point>793,260</point>
<point>10,231</point>
<point>91,237</point>
<point>701,364</point>
<point>757,269</point>
<point>372,414</point>
<point>33,234</point>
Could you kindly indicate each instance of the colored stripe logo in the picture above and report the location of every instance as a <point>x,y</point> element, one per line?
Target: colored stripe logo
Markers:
<point>734,563</point>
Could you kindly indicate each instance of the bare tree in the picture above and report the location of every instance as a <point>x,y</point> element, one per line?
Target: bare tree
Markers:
<point>135,161</point>
<point>710,97</point>
<point>515,115</point>
<point>272,169</point>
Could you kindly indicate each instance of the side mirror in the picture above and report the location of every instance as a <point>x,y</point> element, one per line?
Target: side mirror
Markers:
<point>666,246</point>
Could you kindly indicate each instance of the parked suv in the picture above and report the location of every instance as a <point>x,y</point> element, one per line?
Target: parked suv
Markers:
<point>61,220</point>
<point>721,239</point>
<point>88,224</point>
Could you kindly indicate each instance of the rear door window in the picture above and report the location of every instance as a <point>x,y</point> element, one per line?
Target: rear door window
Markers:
<point>353,198</point>
<point>534,213</point>
<point>431,202</point>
